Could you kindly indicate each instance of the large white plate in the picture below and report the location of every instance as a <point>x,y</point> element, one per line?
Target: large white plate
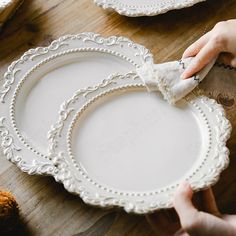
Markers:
<point>115,144</point>
<point>144,7</point>
<point>35,85</point>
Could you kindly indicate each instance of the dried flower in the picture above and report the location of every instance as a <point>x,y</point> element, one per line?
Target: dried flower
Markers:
<point>9,212</point>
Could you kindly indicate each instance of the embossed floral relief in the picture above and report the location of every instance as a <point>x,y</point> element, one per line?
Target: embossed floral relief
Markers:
<point>149,9</point>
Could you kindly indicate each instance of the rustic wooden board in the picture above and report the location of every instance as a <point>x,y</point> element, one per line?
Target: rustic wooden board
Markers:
<point>46,208</point>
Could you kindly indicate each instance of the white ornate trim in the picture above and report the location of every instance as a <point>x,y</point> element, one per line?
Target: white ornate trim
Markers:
<point>160,7</point>
<point>8,145</point>
<point>139,52</point>
<point>16,148</point>
<point>11,151</point>
<point>59,166</point>
<point>9,76</point>
<point>88,37</point>
<point>76,180</point>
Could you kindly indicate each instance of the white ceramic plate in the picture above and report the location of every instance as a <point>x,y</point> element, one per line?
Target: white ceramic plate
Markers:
<point>35,85</point>
<point>115,144</point>
<point>144,7</point>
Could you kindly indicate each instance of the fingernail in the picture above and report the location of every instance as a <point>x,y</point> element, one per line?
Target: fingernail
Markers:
<point>184,186</point>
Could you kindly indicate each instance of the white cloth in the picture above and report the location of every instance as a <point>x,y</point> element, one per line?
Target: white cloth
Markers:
<point>166,78</point>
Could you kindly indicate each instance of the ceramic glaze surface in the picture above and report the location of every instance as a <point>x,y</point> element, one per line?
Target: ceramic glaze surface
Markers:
<point>109,140</point>
<point>135,8</point>
<point>37,83</point>
<point>130,132</point>
<point>115,144</point>
<point>53,83</point>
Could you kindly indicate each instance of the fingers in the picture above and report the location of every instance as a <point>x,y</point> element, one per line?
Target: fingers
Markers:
<point>183,200</point>
<point>207,53</point>
<point>199,223</point>
<point>210,202</point>
<point>195,48</point>
<point>190,217</point>
<point>183,203</point>
<point>220,39</point>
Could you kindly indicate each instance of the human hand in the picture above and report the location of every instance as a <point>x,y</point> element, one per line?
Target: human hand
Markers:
<point>220,40</point>
<point>192,221</point>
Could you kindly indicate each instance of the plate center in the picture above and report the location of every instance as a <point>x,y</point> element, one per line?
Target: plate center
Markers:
<point>135,141</point>
<point>53,83</point>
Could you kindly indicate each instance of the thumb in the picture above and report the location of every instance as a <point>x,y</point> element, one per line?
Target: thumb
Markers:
<point>184,206</point>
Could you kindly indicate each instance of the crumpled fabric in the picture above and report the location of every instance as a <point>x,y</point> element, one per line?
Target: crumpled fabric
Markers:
<point>165,78</point>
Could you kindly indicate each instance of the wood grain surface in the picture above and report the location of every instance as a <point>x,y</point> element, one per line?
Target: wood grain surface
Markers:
<point>46,208</point>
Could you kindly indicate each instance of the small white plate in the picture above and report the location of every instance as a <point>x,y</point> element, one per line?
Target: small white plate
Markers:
<point>115,144</point>
<point>135,8</point>
<point>35,85</point>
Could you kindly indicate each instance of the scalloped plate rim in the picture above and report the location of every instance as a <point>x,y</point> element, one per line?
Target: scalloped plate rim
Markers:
<point>69,181</point>
<point>43,166</point>
<point>144,11</point>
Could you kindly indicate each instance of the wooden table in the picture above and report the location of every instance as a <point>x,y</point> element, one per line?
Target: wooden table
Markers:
<point>46,208</point>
